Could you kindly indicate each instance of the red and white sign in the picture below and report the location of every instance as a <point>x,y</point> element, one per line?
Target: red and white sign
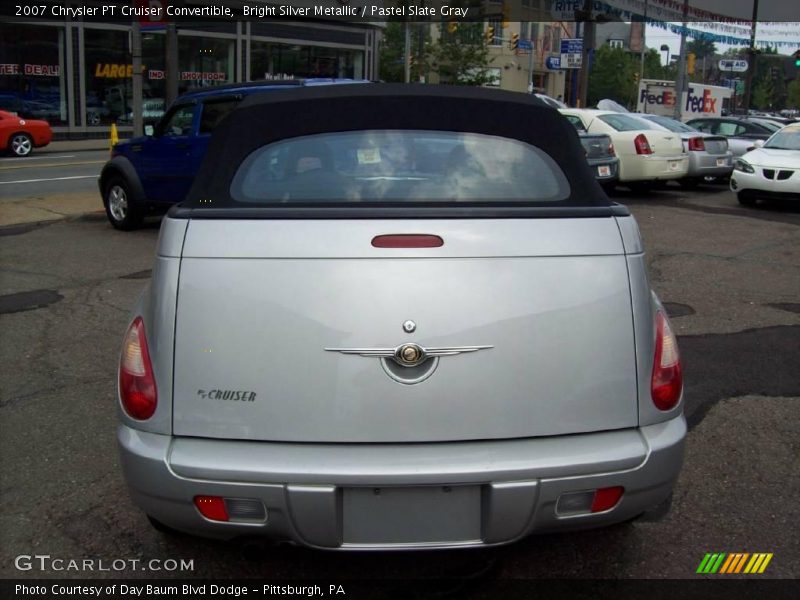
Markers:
<point>152,14</point>
<point>43,70</point>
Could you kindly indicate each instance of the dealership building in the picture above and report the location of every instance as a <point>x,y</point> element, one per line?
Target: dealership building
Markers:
<point>75,71</point>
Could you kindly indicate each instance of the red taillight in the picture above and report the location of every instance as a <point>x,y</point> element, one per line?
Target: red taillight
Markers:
<point>137,385</point>
<point>606,498</point>
<point>407,240</point>
<point>642,145</point>
<point>212,507</point>
<point>611,150</point>
<point>697,144</point>
<point>667,382</point>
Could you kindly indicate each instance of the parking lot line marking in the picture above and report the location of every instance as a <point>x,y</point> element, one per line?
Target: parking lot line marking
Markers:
<point>27,158</point>
<point>40,166</point>
<point>49,179</point>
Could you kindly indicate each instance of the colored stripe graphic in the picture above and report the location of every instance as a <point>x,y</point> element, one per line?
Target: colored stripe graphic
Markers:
<point>734,563</point>
<point>711,563</point>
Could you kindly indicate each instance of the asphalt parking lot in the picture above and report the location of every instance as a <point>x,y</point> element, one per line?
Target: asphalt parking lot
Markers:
<point>730,277</point>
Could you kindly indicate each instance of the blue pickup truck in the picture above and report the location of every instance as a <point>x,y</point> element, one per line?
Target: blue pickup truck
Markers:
<point>146,175</point>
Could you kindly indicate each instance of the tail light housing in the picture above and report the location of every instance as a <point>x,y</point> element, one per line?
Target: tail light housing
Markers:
<point>666,384</point>
<point>696,144</point>
<point>642,145</point>
<point>611,150</point>
<point>137,384</point>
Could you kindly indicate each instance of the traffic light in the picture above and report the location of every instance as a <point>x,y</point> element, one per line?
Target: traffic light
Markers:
<point>635,78</point>
<point>506,14</point>
<point>452,26</point>
<point>690,58</point>
<point>797,58</point>
<point>489,34</point>
<point>514,41</point>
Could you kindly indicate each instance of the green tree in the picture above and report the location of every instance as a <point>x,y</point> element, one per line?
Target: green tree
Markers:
<point>793,94</point>
<point>702,48</point>
<point>392,51</point>
<point>461,57</point>
<point>762,94</point>
<point>612,76</point>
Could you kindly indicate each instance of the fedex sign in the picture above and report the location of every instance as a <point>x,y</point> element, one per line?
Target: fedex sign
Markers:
<point>662,98</point>
<point>659,97</point>
<point>704,103</point>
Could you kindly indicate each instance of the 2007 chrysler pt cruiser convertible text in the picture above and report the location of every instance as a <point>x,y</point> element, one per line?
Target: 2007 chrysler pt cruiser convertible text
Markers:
<point>398,317</point>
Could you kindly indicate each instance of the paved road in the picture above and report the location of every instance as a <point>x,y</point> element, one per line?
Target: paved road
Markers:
<point>43,174</point>
<point>730,276</point>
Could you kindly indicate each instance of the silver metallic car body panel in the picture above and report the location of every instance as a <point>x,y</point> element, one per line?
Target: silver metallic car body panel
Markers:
<point>473,238</point>
<point>551,296</point>
<point>157,304</point>
<point>302,486</point>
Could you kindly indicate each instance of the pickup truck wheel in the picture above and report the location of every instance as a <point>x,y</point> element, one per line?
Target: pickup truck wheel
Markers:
<point>20,144</point>
<point>120,208</point>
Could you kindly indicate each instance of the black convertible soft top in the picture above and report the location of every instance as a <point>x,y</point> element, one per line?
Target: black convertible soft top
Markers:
<point>272,116</point>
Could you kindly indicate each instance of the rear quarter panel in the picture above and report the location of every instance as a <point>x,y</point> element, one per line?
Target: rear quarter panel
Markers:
<point>644,303</point>
<point>156,305</point>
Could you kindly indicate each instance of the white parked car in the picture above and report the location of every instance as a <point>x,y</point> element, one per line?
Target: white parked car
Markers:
<point>646,152</point>
<point>771,171</point>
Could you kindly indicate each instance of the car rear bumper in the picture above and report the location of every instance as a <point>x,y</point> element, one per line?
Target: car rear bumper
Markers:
<point>391,496</point>
<point>605,170</point>
<point>703,164</point>
<point>650,167</point>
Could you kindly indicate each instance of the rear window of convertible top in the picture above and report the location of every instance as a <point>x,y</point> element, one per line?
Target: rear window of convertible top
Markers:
<point>398,166</point>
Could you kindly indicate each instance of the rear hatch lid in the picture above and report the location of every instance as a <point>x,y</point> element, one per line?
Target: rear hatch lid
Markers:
<point>400,265</point>
<point>262,303</point>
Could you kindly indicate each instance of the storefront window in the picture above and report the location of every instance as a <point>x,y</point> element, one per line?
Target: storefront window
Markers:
<point>268,60</point>
<point>109,77</point>
<point>205,62</point>
<point>33,73</point>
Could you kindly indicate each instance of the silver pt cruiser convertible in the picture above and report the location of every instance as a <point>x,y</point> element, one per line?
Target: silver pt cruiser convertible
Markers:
<point>398,317</point>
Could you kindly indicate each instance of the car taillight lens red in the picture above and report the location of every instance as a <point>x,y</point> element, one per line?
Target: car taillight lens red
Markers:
<point>611,150</point>
<point>642,145</point>
<point>667,382</point>
<point>606,498</point>
<point>212,507</point>
<point>137,385</point>
<point>697,144</point>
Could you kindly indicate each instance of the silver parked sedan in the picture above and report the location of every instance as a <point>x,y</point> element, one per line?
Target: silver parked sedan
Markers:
<point>398,317</point>
<point>709,156</point>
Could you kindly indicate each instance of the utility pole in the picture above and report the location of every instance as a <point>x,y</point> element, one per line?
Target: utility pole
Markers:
<point>171,62</point>
<point>407,75</point>
<point>136,75</point>
<point>680,83</point>
<point>641,58</point>
<point>751,55</point>
<point>585,15</point>
<point>421,50</point>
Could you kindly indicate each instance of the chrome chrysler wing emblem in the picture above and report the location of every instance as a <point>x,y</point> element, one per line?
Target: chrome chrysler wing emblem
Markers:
<point>409,355</point>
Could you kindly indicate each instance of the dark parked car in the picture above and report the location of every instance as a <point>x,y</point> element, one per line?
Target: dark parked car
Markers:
<point>146,175</point>
<point>740,132</point>
<point>599,153</point>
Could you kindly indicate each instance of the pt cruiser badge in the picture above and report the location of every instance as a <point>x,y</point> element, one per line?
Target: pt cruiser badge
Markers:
<point>409,355</point>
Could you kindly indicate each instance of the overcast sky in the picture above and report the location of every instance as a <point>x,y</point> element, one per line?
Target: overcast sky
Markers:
<point>768,10</point>
<point>656,36</point>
